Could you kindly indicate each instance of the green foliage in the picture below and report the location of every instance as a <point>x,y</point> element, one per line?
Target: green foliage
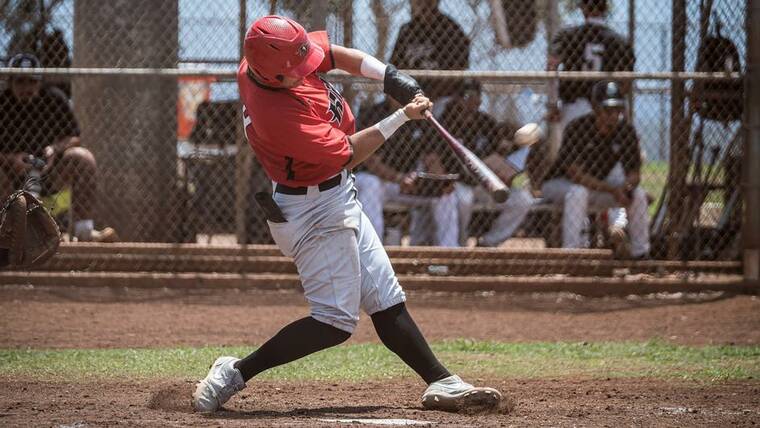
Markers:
<point>356,362</point>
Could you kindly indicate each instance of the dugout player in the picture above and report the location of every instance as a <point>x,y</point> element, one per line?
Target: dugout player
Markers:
<point>37,120</point>
<point>600,165</point>
<point>480,133</point>
<point>302,131</point>
<point>591,46</point>
<point>388,176</point>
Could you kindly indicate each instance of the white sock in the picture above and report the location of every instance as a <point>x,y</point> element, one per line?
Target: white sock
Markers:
<point>83,227</point>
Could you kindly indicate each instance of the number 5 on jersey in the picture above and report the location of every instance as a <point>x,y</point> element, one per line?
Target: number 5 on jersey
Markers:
<point>592,57</point>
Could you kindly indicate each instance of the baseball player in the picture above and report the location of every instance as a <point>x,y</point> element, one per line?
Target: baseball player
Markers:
<point>480,133</point>
<point>591,46</point>
<point>37,121</point>
<point>302,131</point>
<point>391,175</point>
<point>510,160</point>
<point>600,165</point>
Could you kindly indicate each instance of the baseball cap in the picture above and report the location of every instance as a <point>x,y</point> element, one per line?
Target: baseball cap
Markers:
<point>607,94</point>
<point>468,85</point>
<point>25,60</point>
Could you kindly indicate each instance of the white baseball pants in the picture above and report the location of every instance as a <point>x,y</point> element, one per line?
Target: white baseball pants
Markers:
<point>342,263</point>
<point>576,200</point>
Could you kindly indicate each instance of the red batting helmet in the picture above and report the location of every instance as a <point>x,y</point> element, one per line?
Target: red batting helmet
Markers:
<point>276,46</point>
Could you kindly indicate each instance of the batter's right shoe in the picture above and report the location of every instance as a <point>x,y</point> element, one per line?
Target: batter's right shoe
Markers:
<point>452,394</point>
<point>221,383</point>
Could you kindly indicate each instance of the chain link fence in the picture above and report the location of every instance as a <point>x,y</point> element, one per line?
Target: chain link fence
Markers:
<point>646,164</point>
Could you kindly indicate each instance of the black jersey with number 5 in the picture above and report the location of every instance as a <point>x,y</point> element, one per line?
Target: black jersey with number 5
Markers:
<point>589,47</point>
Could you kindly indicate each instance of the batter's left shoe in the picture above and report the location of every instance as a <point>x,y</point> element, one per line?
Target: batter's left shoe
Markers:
<point>452,394</point>
<point>221,383</point>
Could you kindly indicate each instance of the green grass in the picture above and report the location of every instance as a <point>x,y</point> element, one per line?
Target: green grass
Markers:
<point>372,361</point>
<point>654,176</point>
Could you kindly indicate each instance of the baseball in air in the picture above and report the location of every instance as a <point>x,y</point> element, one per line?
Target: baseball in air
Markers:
<point>528,135</point>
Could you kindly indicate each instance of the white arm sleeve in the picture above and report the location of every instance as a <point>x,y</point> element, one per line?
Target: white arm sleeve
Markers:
<point>372,68</point>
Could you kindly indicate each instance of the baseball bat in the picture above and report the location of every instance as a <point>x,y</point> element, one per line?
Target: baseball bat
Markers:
<point>496,188</point>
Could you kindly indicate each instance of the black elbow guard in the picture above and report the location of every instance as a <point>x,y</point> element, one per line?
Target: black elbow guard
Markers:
<point>399,86</point>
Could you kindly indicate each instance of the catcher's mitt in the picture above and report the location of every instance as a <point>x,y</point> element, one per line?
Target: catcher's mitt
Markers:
<point>29,236</point>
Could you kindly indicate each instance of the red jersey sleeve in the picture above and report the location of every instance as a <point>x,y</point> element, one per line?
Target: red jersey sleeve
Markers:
<point>320,38</point>
<point>308,138</point>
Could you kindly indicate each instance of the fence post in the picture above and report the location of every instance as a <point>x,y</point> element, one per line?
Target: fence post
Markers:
<point>679,141</point>
<point>243,155</point>
<point>129,123</point>
<point>751,190</point>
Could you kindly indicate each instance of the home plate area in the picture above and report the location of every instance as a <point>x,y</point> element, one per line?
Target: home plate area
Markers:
<point>384,422</point>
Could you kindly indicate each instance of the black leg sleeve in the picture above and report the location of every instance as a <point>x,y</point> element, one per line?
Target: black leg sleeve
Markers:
<point>400,334</point>
<point>294,341</point>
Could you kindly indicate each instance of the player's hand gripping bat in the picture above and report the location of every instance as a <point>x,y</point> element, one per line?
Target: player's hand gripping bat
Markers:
<point>403,88</point>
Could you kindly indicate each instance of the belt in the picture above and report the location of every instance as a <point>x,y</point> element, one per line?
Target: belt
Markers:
<point>325,185</point>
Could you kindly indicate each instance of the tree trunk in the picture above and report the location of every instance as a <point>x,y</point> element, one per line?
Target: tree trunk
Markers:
<point>129,123</point>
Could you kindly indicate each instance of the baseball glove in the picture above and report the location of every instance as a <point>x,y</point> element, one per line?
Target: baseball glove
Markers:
<point>29,236</point>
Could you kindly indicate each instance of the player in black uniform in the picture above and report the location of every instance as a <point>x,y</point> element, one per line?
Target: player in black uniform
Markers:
<point>591,46</point>
<point>37,121</point>
<point>479,132</point>
<point>599,165</point>
<point>389,176</point>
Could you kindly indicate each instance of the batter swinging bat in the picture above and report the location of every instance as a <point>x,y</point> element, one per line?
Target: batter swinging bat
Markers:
<point>473,164</point>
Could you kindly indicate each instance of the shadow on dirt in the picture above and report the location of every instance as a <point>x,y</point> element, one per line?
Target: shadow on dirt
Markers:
<point>175,397</point>
<point>567,303</point>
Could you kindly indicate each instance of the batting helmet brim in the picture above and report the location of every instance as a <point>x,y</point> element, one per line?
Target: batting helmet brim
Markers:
<point>314,58</point>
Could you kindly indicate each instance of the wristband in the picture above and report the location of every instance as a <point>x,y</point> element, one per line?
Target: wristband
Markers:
<point>390,124</point>
<point>372,67</point>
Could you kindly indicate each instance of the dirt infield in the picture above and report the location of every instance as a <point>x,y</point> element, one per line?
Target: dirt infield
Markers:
<point>634,402</point>
<point>61,317</point>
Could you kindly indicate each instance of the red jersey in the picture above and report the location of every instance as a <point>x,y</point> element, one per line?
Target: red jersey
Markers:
<point>300,135</point>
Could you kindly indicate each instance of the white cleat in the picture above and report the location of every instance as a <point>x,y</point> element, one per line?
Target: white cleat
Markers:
<point>452,394</point>
<point>221,383</point>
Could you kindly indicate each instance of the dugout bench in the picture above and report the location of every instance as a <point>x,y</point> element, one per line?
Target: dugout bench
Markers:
<point>543,221</point>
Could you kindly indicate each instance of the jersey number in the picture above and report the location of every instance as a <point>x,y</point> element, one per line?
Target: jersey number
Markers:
<point>592,57</point>
<point>289,168</point>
